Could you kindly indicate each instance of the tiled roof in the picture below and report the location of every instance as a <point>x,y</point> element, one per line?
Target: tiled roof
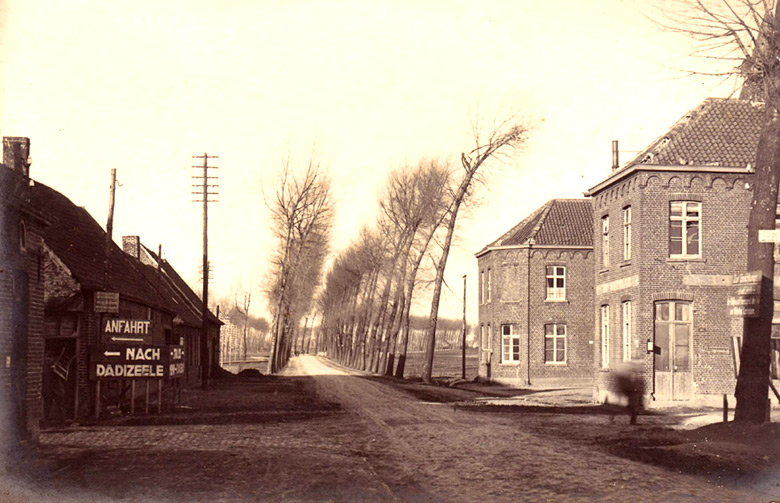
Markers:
<point>719,132</point>
<point>559,222</point>
<point>79,241</point>
<point>186,299</point>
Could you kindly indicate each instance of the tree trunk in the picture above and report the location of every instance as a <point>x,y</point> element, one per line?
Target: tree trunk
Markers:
<point>753,382</point>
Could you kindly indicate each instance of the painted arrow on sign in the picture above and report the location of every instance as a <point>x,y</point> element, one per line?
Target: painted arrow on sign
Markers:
<point>127,339</point>
<point>112,353</point>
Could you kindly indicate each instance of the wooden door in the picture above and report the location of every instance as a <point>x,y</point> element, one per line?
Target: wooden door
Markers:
<point>673,337</point>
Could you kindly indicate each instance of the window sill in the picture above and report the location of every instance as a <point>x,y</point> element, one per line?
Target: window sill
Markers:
<point>556,364</point>
<point>557,301</point>
<point>686,259</point>
<point>602,271</point>
<point>625,263</point>
<point>510,364</point>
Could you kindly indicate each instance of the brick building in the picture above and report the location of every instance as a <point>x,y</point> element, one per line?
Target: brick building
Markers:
<point>56,261</point>
<point>21,298</point>
<point>670,233</point>
<point>536,297</point>
<point>187,324</point>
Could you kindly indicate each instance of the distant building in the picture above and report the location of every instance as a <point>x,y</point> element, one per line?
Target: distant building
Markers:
<point>536,297</point>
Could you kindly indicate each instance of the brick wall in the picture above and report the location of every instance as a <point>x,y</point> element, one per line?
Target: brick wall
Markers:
<point>651,275</point>
<point>513,303</point>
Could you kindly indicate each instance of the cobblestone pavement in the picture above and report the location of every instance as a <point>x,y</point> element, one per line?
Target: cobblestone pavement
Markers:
<point>286,441</point>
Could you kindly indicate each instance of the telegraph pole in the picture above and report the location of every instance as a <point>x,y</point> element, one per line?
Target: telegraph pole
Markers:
<point>463,342</point>
<point>109,226</point>
<point>205,191</point>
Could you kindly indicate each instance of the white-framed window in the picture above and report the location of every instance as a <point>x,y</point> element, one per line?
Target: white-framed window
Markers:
<point>605,337</point>
<point>684,229</point>
<point>627,338</point>
<point>489,283</point>
<point>627,233</point>
<point>556,282</point>
<point>555,343</point>
<point>605,241</point>
<point>481,286</point>
<point>510,344</point>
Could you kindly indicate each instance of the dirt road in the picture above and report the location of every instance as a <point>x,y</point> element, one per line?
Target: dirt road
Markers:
<point>434,452</point>
<point>320,433</point>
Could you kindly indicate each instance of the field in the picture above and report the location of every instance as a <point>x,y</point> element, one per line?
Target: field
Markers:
<point>446,363</point>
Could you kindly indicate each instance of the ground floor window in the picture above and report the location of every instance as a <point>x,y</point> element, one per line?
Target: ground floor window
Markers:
<point>555,343</point>
<point>510,344</point>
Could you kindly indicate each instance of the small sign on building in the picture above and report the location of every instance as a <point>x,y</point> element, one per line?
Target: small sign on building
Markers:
<point>107,302</point>
<point>746,300</point>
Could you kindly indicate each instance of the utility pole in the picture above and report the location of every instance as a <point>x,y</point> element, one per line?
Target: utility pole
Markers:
<point>109,226</point>
<point>205,191</point>
<point>463,342</point>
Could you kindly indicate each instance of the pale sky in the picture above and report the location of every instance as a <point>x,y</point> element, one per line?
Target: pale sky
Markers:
<point>142,86</point>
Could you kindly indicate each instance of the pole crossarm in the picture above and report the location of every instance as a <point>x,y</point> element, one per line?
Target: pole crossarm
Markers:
<point>204,182</point>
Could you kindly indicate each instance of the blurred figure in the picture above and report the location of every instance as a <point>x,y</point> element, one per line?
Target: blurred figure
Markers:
<point>629,384</point>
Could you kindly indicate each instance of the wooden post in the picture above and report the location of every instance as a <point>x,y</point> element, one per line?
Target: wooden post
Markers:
<point>725,408</point>
<point>463,343</point>
<point>146,410</point>
<point>132,396</point>
<point>97,399</point>
<point>159,396</point>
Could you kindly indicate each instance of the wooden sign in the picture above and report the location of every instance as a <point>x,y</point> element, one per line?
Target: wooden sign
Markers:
<point>769,235</point>
<point>107,302</point>
<point>746,301</point>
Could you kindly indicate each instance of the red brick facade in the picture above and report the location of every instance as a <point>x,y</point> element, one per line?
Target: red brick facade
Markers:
<point>653,275</point>
<point>529,334</point>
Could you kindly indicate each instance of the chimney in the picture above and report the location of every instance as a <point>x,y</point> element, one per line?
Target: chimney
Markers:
<point>615,159</point>
<point>16,154</point>
<point>132,246</point>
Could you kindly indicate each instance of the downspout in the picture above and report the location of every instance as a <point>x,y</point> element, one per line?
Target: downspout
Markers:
<point>528,316</point>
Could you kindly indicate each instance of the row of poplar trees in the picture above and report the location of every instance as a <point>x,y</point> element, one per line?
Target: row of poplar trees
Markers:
<point>369,291</point>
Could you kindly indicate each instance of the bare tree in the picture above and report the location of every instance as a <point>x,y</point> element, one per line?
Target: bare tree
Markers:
<point>242,303</point>
<point>505,136</point>
<point>742,37</point>
<point>302,215</point>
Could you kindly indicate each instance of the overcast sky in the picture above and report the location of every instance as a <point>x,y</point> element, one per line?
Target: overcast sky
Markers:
<point>142,86</point>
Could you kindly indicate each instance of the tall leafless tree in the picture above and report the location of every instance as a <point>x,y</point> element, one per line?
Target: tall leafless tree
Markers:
<point>302,216</point>
<point>741,38</point>
<point>504,137</point>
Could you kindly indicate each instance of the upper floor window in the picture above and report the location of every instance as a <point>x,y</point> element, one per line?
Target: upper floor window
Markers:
<point>685,229</point>
<point>627,233</point>
<point>482,287</point>
<point>510,344</point>
<point>556,282</point>
<point>489,284</point>
<point>555,343</point>
<point>605,241</point>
